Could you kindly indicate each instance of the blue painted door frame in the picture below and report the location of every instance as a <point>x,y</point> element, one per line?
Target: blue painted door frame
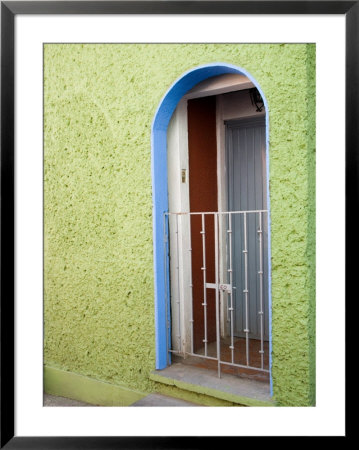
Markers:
<point>160,123</point>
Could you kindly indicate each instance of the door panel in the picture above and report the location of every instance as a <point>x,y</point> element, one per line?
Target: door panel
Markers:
<point>202,154</point>
<point>246,175</point>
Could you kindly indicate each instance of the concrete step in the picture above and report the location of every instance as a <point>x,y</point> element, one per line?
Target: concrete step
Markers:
<point>161,400</point>
<point>242,391</point>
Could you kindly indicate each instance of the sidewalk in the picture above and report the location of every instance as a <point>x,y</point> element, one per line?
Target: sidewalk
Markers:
<point>52,400</point>
<point>149,400</point>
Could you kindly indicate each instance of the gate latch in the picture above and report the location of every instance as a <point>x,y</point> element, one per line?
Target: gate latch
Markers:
<point>221,286</point>
<point>225,287</point>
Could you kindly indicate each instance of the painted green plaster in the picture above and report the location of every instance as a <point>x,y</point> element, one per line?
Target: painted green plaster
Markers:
<point>311,217</point>
<point>89,390</point>
<point>100,100</point>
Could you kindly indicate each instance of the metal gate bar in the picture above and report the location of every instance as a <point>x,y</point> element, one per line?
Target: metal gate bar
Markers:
<point>219,287</point>
<point>178,286</point>
<point>191,290</point>
<point>226,363</point>
<point>230,271</point>
<point>166,251</point>
<point>204,270</point>
<point>216,257</point>
<point>245,290</point>
<point>260,273</point>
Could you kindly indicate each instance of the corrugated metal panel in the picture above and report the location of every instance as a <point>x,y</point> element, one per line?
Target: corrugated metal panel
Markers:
<point>245,145</point>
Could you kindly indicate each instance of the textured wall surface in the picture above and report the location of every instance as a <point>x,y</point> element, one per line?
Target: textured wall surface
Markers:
<point>100,101</point>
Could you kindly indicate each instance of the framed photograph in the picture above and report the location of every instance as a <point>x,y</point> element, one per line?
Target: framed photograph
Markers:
<point>176,186</point>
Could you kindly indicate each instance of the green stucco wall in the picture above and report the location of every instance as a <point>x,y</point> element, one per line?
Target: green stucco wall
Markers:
<point>100,101</point>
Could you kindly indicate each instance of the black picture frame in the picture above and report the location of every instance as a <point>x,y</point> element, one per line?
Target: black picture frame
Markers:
<point>9,9</point>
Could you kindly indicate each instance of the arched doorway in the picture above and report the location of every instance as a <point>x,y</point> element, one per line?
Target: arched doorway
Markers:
<point>228,215</point>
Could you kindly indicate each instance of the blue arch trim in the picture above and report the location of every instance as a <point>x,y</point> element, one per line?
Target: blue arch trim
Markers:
<point>160,123</point>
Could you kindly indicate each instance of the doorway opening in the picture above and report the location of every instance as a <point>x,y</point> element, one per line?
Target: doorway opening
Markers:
<point>216,229</point>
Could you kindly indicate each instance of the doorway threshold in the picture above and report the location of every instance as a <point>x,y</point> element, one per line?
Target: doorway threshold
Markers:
<point>242,391</point>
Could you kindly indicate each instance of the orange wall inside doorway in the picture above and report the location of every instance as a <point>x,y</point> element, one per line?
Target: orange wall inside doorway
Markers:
<point>202,150</point>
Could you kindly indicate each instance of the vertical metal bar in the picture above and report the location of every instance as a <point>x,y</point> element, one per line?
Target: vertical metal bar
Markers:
<point>216,255</point>
<point>245,290</point>
<point>260,273</point>
<point>191,284</point>
<point>178,287</point>
<point>165,250</point>
<point>204,304</point>
<point>230,271</point>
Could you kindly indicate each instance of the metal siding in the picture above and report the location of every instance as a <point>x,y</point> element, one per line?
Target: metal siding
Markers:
<point>245,144</point>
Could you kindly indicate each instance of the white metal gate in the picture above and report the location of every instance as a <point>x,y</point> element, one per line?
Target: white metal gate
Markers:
<point>178,237</point>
